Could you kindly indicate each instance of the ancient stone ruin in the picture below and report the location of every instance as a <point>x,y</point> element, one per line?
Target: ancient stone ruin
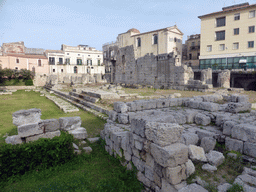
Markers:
<point>163,137</point>
<point>31,127</point>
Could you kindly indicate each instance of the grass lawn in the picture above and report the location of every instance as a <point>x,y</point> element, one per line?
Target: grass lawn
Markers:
<point>97,171</point>
<point>27,100</point>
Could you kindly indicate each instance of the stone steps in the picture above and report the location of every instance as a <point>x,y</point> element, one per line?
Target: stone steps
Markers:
<point>87,106</point>
<point>85,97</point>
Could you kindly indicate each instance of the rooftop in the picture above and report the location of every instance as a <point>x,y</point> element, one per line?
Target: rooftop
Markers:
<point>229,9</point>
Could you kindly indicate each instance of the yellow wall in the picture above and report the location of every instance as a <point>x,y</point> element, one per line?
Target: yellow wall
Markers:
<point>208,29</point>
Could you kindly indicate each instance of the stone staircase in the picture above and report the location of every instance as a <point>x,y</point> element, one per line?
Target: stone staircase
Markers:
<point>84,100</point>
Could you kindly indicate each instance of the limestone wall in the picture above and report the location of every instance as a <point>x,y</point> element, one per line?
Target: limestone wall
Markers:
<point>163,137</point>
<point>160,71</point>
<point>30,127</point>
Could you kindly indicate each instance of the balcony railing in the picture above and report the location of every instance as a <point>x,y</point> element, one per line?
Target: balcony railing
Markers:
<point>192,48</point>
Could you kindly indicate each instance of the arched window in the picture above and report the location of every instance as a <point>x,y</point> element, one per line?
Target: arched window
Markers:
<point>155,39</point>
<point>138,42</point>
<point>75,69</point>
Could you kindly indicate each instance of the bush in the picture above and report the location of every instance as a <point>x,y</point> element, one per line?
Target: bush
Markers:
<point>235,188</point>
<point>38,155</point>
<point>29,82</point>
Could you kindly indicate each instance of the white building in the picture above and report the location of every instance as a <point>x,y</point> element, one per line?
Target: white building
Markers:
<point>81,59</point>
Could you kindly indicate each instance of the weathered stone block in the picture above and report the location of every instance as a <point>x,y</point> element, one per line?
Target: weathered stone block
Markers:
<point>202,119</point>
<point>175,175</point>
<point>45,135</point>
<point>14,139</point>
<point>244,132</point>
<point>196,153</point>
<point>227,127</point>
<point>215,158</point>
<point>208,144</point>
<point>193,188</point>
<point>163,134</point>
<point>190,168</point>
<point>70,123</point>
<point>120,107</point>
<point>138,127</point>
<point>167,187</point>
<point>250,149</point>
<point>131,106</point>
<point>162,103</point>
<point>29,130</point>
<point>237,107</point>
<point>113,115</point>
<point>203,133</point>
<point>50,125</point>
<point>139,164</point>
<point>190,116</point>
<point>149,173</point>
<point>141,177</point>
<point>24,117</point>
<point>234,145</point>
<point>79,133</point>
<point>209,167</point>
<point>170,156</point>
<point>190,138</point>
<point>123,118</point>
<point>208,106</point>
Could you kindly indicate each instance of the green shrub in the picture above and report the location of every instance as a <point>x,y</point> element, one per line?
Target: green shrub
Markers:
<point>28,82</point>
<point>37,155</point>
<point>235,188</point>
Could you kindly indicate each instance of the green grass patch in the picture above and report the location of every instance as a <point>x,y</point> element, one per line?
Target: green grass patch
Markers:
<point>97,171</point>
<point>26,100</point>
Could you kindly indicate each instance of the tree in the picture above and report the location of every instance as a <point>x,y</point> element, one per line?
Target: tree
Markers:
<point>26,74</point>
<point>8,73</point>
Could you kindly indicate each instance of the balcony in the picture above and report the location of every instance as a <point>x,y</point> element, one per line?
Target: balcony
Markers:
<point>194,48</point>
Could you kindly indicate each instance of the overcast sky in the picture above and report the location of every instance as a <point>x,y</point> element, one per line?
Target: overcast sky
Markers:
<point>49,23</point>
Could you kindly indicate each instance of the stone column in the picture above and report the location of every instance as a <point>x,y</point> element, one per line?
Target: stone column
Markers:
<point>224,79</point>
<point>206,76</point>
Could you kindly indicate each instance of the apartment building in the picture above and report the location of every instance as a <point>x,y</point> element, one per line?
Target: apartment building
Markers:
<point>228,38</point>
<point>75,59</point>
<point>192,53</point>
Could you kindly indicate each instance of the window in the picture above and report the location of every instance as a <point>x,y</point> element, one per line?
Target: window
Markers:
<point>79,61</point>
<point>89,62</point>
<point>67,53</point>
<point>60,61</point>
<point>222,47</point>
<point>52,60</point>
<point>193,44</point>
<point>251,29</point>
<point>53,70</point>
<point>61,70</point>
<point>209,48</point>
<point>250,44</point>
<point>236,31</point>
<point>78,54</point>
<point>190,56</point>
<point>220,21</point>
<point>67,61</point>
<point>235,45</point>
<point>237,16</point>
<point>138,42</point>
<point>198,54</point>
<point>251,14</point>
<point>75,69</point>
<point>16,68</point>
<point>220,35</point>
<point>17,61</point>
<point>98,56</point>
<point>98,62</point>
<point>39,63</point>
<point>155,39</point>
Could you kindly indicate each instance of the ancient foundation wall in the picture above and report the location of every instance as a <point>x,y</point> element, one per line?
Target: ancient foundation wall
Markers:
<point>163,137</point>
<point>159,71</point>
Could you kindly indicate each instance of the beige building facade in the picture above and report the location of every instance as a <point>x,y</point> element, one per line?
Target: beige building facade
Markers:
<point>192,53</point>
<point>228,38</point>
